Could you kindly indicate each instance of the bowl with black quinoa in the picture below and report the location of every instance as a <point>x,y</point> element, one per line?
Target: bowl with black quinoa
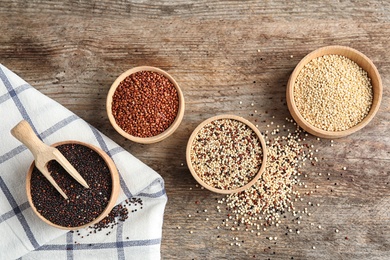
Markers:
<point>84,206</point>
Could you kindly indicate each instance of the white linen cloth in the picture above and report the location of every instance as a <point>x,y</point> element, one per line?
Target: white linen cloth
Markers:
<point>22,234</point>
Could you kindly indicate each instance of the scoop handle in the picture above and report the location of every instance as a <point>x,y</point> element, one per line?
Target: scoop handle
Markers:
<point>25,134</point>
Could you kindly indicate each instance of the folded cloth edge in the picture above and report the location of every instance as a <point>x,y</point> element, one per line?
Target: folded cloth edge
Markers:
<point>103,142</point>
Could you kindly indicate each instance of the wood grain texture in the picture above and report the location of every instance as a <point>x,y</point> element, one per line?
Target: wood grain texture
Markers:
<point>221,53</point>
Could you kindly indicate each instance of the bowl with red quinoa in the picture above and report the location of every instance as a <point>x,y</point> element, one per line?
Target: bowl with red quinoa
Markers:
<point>84,206</point>
<point>334,91</point>
<point>226,154</point>
<point>145,104</point>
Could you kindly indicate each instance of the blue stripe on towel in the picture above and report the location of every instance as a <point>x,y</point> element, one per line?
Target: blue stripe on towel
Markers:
<point>69,246</point>
<point>11,213</point>
<point>16,99</point>
<point>18,90</point>
<point>61,124</point>
<point>119,242</point>
<point>95,246</point>
<point>103,145</point>
<point>156,194</point>
<point>12,153</point>
<point>17,211</point>
<point>43,135</point>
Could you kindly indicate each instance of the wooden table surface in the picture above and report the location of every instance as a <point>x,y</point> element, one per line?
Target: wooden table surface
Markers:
<point>228,57</point>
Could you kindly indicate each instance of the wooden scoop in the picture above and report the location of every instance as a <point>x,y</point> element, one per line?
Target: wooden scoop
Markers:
<point>43,154</point>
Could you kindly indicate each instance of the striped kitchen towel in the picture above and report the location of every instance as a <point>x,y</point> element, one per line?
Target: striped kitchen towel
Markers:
<point>22,234</point>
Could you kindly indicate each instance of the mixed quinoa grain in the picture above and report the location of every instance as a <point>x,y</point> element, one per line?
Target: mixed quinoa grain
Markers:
<point>333,93</point>
<point>226,154</point>
<point>145,104</point>
<point>274,193</point>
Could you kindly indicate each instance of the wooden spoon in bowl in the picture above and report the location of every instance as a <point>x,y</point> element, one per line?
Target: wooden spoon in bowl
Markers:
<point>43,154</point>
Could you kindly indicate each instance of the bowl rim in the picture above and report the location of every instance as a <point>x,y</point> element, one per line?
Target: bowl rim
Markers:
<point>115,187</point>
<point>363,61</point>
<point>242,120</point>
<point>153,139</point>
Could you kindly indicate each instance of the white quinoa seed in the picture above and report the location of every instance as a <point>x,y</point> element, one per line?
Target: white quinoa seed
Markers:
<point>333,93</point>
<point>273,195</point>
<point>265,203</point>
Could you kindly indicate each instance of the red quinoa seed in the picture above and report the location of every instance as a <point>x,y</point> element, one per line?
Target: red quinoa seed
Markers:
<point>145,104</point>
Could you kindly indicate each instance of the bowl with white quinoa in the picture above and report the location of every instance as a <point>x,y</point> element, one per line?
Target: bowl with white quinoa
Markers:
<point>226,154</point>
<point>334,91</point>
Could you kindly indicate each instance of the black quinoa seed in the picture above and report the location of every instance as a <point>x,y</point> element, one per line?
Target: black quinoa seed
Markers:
<point>84,205</point>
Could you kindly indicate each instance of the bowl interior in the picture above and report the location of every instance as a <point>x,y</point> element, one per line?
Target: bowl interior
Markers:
<point>114,188</point>
<point>364,62</point>
<point>196,176</point>
<point>169,130</point>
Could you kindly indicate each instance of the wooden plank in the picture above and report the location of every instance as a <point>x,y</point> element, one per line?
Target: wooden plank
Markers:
<point>226,55</point>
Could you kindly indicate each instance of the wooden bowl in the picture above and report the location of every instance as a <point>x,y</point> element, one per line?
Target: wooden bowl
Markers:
<point>114,191</point>
<point>360,59</point>
<point>156,138</point>
<point>196,176</point>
